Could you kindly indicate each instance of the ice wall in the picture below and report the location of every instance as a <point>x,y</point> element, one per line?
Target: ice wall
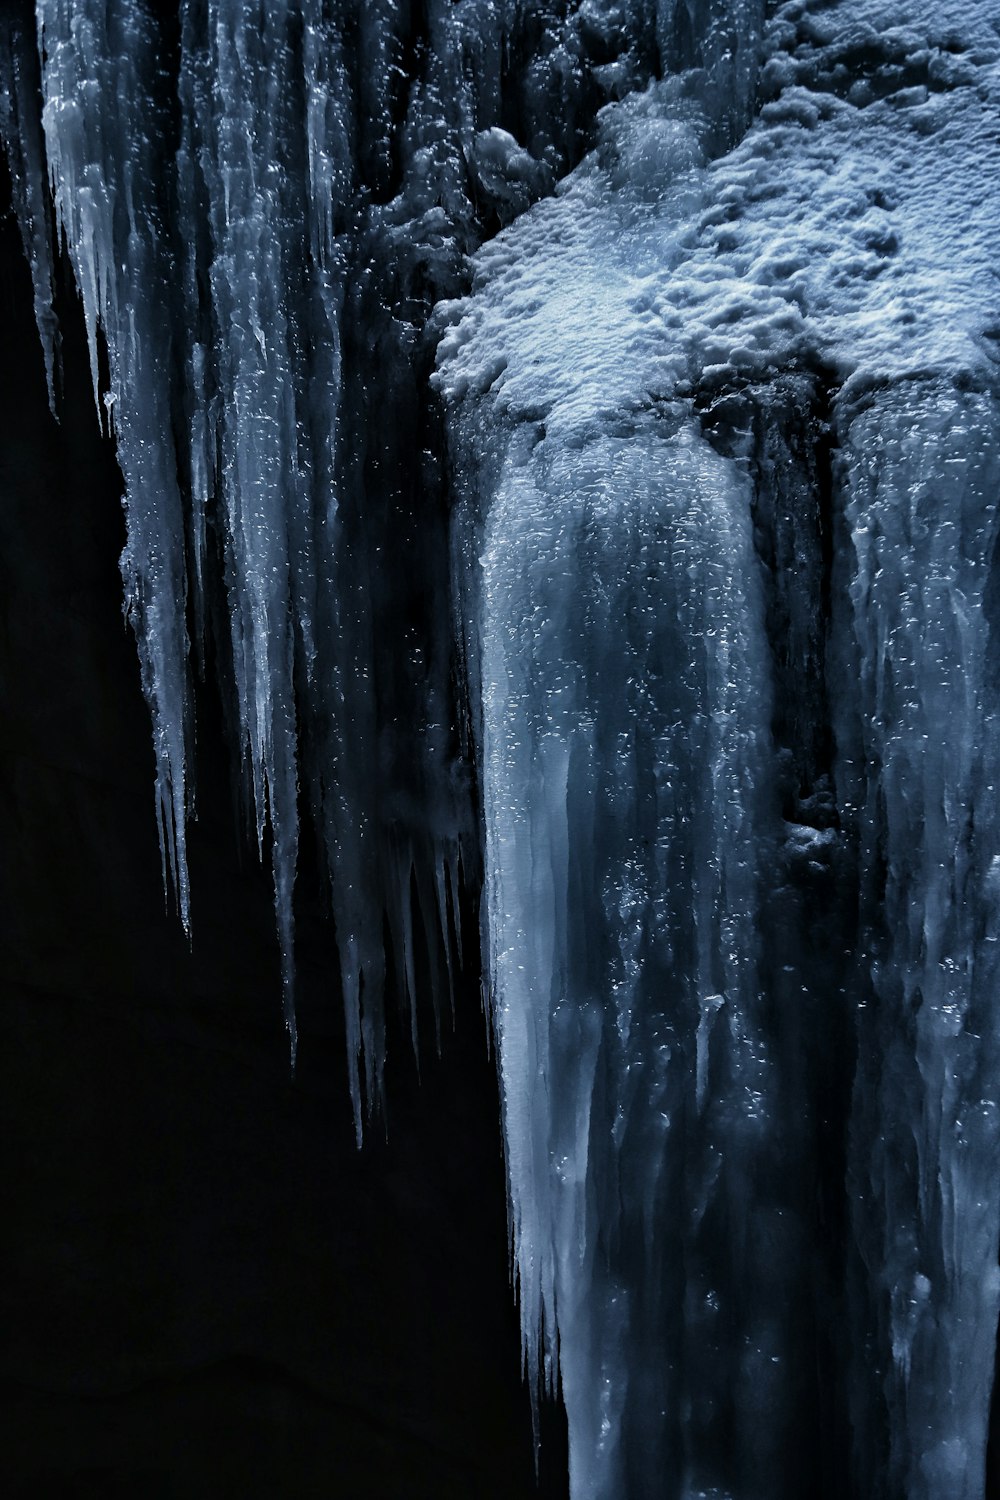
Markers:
<point>776,361</point>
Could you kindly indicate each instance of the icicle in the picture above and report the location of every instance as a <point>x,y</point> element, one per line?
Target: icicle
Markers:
<point>624,798</point>
<point>324,171</point>
<point>238,142</point>
<point>104,170</point>
<point>21,133</point>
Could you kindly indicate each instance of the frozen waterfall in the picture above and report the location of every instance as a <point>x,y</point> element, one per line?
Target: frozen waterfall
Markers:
<point>566,434</point>
<point>716,668</point>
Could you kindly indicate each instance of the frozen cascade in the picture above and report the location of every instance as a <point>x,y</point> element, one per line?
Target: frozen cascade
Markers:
<point>615,382</point>
<point>625,709</point>
<point>713,446</point>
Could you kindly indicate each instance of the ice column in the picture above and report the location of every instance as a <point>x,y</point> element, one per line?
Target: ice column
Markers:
<point>625,705</point>
<point>919,770</point>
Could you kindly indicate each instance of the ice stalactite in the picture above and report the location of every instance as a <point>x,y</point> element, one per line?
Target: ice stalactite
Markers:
<point>107,171</point>
<point>21,132</point>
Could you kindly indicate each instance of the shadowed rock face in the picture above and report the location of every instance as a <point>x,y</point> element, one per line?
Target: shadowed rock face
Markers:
<point>205,1289</point>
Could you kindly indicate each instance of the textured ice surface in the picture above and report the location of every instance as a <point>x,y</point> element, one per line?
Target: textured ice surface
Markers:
<point>615,382</point>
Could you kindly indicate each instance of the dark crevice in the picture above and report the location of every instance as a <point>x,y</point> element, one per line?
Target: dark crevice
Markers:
<point>782,432</point>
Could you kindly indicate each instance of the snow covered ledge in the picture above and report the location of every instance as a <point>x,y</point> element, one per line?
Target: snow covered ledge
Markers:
<point>611,384</point>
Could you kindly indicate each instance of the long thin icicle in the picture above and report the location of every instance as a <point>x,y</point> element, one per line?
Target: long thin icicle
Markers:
<point>20,130</point>
<point>105,167</point>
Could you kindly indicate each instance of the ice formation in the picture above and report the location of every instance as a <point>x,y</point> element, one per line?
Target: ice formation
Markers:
<point>258,229</point>
<point>695,350</point>
<point>698,517</point>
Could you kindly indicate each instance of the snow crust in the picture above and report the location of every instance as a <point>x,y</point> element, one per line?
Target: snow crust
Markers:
<point>830,232</point>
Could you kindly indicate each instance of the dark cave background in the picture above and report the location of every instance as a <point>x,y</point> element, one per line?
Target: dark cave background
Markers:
<point>205,1289</point>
